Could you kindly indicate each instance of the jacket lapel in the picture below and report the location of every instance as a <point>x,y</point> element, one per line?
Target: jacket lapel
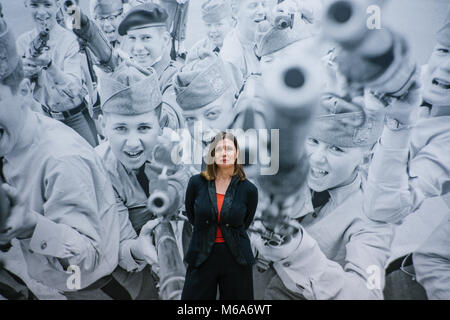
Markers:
<point>228,199</point>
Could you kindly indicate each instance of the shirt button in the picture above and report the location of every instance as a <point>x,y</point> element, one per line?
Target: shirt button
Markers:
<point>287,264</point>
<point>43,245</point>
<point>314,215</point>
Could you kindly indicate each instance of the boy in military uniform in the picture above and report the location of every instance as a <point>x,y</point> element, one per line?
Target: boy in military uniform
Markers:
<point>218,20</point>
<point>238,45</point>
<point>337,253</point>
<point>108,14</point>
<point>414,146</point>
<point>133,124</point>
<point>63,210</point>
<point>57,73</point>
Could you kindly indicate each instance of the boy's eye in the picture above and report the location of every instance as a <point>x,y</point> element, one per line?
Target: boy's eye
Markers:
<point>144,128</point>
<point>337,149</point>
<point>189,119</point>
<point>120,129</point>
<point>442,50</point>
<point>212,115</point>
<point>312,141</point>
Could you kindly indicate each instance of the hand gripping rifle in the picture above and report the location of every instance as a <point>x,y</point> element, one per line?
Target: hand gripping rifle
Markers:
<point>292,93</point>
<point>168,182</point>
<point>378,59</point>
<point>89,33</point>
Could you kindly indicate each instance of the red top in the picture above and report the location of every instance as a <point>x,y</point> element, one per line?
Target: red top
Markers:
<point>219,237</point>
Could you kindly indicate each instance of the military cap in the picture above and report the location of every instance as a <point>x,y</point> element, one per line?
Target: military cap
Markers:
<point>143,16</point>
<point>9,58</point>
<point>202,81</point>
<point>443,34</point>
<point>128,92</point>
<point>270,39</point>
<point>106,7</point>
<point>215,10</point>
<point>343,124</point>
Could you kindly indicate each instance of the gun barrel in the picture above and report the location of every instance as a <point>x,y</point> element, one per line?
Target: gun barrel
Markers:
<point>293,92</point>
<point>161,202</point>
<point>39,43</point>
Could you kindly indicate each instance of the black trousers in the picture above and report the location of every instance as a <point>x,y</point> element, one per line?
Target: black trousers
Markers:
<point>235,281</point>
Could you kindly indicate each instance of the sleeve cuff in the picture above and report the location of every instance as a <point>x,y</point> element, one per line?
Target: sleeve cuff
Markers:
<point>47,238</point>
<point>297,270</point>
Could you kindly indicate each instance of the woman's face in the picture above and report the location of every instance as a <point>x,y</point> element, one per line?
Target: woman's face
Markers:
<point>225,154</point>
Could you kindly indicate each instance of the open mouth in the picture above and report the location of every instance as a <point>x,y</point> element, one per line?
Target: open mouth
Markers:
<point>133,155</point>
<point>258,20</point>
<point>318,173</point>
<point>441,83</point>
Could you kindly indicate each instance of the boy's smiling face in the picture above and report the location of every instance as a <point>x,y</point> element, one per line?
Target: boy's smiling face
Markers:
<point>43,12</point>
<point>132,137</point>
<point>332,166</point>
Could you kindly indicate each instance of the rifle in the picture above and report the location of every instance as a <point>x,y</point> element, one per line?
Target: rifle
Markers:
<point>378,59</point>
<point>88,32</point>
<point>167,187</point>
<point>178,31</point>
<point>292,93</point>
<point>39,43</point>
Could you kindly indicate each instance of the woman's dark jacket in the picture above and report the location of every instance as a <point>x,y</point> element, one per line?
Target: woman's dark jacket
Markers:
<point>236,215</point>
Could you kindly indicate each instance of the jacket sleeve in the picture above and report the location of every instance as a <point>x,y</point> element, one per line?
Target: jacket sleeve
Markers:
<point>432,263</point>
<point>252,203</point>
<point>190,199</point>
<point>69,226</point>
<point>397,184</point>
<point>309,272</point>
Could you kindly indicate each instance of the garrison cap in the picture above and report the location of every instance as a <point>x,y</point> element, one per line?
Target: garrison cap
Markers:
<point>143,16</point>
<point>345,124</point>
<point>270,38</point>
<point>203,81</point>
<point>128,92</point>
<point>215,10</point>
<point>9,59</point>
<point>443,34</point>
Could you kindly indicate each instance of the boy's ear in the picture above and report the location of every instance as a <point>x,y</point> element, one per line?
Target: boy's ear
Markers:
<point>102,121</point>
<point>25,88</point>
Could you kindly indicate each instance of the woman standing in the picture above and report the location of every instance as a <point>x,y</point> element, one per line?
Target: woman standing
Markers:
<point>220,204</point>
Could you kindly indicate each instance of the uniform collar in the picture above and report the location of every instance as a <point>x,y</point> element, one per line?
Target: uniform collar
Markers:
<point>162,65</point>
<point>340,194</point>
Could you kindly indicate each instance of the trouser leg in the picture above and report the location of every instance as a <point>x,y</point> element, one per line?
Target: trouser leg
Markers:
<point>235,280</point>
<point>201,282</point>
<point>84,125</point>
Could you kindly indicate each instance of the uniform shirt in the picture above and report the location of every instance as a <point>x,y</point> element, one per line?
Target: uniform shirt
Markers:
<point>63,180</point>
<point>401,179</point>
<point>240,53</point>
<point>64,50</point>
<point>432,262</point>
<point>339,250</point>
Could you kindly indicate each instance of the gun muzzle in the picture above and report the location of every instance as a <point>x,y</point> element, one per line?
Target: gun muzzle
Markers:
<point>160,202</point>
<point>292,89</point>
